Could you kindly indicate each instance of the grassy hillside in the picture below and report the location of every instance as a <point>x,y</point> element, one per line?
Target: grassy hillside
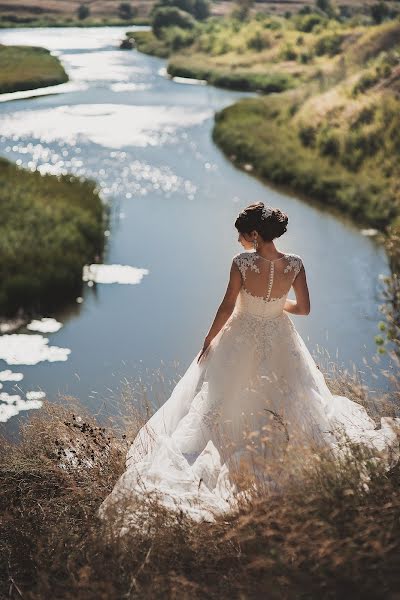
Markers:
<point>49,228</point>
<point>339,144</point>
<point>333,130</point>
<point>64,12</point>
<point>27,67</point>
<point>299,50</point>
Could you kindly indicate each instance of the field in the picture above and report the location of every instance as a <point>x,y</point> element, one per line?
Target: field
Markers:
<point>63,12</point>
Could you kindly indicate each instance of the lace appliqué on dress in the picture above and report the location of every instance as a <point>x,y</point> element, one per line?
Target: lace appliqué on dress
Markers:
<point>294,263</point>
<point>244,261</point>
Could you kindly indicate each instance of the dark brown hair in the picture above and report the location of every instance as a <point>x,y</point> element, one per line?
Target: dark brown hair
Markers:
<point>269,227</point>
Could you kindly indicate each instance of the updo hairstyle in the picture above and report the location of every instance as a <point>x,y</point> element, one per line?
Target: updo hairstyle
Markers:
<point>269,222</point>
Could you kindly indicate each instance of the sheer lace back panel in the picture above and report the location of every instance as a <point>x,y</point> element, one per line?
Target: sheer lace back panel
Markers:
<point>266,283</point>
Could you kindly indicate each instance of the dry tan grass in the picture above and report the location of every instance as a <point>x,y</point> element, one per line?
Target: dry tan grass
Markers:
<point>328,534</point>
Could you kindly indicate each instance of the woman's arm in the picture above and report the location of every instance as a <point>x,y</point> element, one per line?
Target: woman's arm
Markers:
<point>300,306</point>
<point>225,308</point>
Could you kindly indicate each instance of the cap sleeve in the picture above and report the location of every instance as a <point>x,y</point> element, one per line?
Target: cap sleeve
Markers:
<point>297,265</point>
<point>294,265</point>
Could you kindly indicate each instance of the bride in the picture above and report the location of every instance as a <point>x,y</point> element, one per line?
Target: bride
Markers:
<point>253,391</point>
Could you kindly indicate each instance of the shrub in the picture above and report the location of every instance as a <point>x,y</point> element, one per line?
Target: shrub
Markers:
<point>328,143</point>
<point>307,135</point>
<point>366,81</point>
<point>259,41</point>
<point>328,44</point>
<point>201,9</point>
<point>379,12</point>
<point>288,53</point>
<point>186,5</point>
<point>304,58</point>
<point>83,12</point>
<point>309,22</point>
<point>178,38</point>
<point>127,11</point>
<point>365,116</point>
<point>273,24</point>
<point>165,17</point>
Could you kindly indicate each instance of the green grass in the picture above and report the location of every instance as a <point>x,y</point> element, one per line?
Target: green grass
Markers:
<point>330,126</point>
<point>146,42</point>
<point>353,170</point>
<point>49,228</point>
<point>239,79</point>
<point>26,68</point>
<point>7,23</point>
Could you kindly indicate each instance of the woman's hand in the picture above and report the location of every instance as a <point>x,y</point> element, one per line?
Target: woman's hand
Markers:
<point>205,349</point>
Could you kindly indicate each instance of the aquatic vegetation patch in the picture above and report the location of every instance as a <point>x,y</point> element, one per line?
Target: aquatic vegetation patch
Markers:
<point>50,227</point>
<point>27,68</point>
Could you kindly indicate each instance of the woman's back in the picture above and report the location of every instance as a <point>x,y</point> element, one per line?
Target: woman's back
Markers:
<point>265,283</point>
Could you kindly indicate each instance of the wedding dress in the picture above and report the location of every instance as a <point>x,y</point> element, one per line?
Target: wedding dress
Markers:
<point>257,390</point>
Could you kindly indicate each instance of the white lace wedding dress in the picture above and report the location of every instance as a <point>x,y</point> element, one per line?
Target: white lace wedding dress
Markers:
<point>257,389</point>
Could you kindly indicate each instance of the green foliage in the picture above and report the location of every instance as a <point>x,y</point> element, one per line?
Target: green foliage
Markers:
<point>177,38</point>
<point>288,53</point>
<point>379,12</point>
<point>328,44</point>
<point>49,228</point>
<point>325,6</point>
<point>171,16</point>
<point>366,81</point>
<point>83,11</point>
<point>273,24</point>
<point>259,40</point>
<point>328,142</point>
<point>390,327</point>
<point>146,41</point>
<point>261,132</point>
<point>358,146</point>
<point>307,135</point>
<point>127,11</point>
<point>27,67</point>
<point>241,11</point>
<point>236,80</point>
<point>308,22</point>
<point>199,9</point>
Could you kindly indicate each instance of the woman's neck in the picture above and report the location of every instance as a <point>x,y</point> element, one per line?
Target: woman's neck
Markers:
<point>268,250</point>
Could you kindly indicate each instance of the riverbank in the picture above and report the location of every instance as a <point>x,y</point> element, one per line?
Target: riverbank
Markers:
<point>28,67</point>
<point>71,22</point>
<point>347,165</point>
<point>333,131</point>
<point>49,228</point>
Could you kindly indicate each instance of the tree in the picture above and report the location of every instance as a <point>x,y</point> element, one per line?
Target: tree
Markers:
<point>169,15</point>
<point>83,11</point>
<point>201,9</point>
<point>242,9</point>
<point>186,5</point>
<point>126,10</point>
<point>324,5</point>
<point>379,11</point>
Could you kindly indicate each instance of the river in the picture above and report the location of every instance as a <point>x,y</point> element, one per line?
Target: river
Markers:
<point>174,197</point>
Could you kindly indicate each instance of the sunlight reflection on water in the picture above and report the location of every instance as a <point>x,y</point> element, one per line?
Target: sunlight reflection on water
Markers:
<point>109,125</point>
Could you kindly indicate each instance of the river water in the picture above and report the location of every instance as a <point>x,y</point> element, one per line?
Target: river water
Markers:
<point>147,141</point>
